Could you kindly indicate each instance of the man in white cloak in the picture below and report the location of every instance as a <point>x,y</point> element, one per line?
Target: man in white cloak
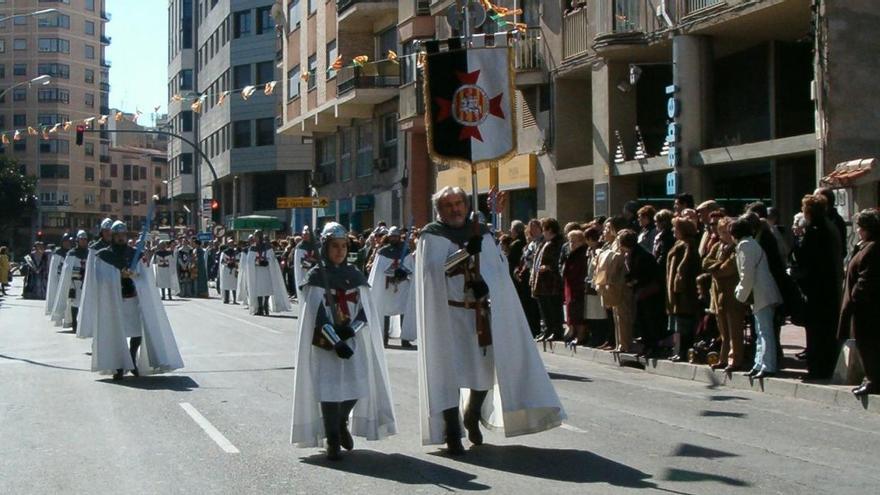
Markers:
<point>165,269</point>
<point>56,263</point>
<point>304,258</point>
<point>104,235</point>
<point>473,336</point>
<point>125,298</point>
<point>390,280</point>
<point>340,366</point>
<point>227,276</point>
<point>265,284</point>
<point>243,269</point>
<point>70,283</point>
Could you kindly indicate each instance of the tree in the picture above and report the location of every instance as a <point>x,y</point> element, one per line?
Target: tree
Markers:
<point>17,193</point>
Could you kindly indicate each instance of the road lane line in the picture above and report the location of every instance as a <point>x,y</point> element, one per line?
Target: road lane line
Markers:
<point>566,426</point>
<point>212,432</point>
<point>272,330</point>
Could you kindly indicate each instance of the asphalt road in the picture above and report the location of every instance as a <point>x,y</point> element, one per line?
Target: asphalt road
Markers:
<point>221,426</point>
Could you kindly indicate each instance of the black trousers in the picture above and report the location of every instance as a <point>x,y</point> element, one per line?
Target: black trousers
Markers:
<point>822,346</point>
<point>551,313</point>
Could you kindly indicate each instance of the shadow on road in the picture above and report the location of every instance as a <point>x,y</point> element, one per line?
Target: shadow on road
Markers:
<point>45,365</point>
<point>723,398</point>
<point>722,414</point>
<point>573,466</point>
<point>570,378</point>
<point>398,468</point>
<point>690,450</point>
<point>159,382</point>
<point>279,368</point>
<point>691,476</point>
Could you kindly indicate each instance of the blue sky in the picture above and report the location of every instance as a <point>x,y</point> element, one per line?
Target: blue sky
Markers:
<point>139,54</point>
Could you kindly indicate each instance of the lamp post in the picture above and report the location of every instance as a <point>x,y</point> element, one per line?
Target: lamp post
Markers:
<point>29,14</point>
<point>41,79</point>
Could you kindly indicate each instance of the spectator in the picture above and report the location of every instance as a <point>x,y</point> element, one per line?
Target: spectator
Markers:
<point>819,262</point>
<point>682,202</point>
<point>630,215</point>
<point>757,288</point>
<point>682,268</point>
<point>504,241</point>
<point>644,278</point>
<point>860,312</point>
<point>546,281</point>
<point>517,245</point>
<point>834,217</point>
<point>574,272</point>
<point>664,239</point>
<point>596,314</point>
<point>611,284</point>
<point>720,263</point>
<point>4,269</point>
<point>782,235</point>
<point>566,247</point>
<point>647,228</point>
<point>523,275</point>
<point>704,215</point>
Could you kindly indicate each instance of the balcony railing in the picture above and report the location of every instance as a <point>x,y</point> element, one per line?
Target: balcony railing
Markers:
<point>529,53</point>
<point>381,75</point>
<point>105,39</point>
<point>105,87</point>
<point>105,183</point>
<point>105,158</point>
<point>694,5</point>
<point>105,15</point>
<point>627,14</point>
<point>574,33</point>
<point>106,208</point>
<point>105,63</point>
<point>341,5</point>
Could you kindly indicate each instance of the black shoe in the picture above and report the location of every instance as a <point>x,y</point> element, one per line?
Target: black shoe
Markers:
<point>118,375</point>
<point>863,390</point>
<point>751,373</point>
<point>406,344</point>
<point>763,374</point>
<point>676,359</point>
<point>134,372</point>
<point>472,425</point>
<point>453,432</point>
<point>333,451</point>
<point>345,439</point>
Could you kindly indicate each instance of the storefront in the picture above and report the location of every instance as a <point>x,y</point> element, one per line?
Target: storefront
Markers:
<point>856,185</point>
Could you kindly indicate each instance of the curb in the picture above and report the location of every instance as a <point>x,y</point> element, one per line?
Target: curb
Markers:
<point>829,395</point>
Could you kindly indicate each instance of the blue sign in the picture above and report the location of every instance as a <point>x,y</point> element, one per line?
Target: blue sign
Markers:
<point>673,131</point>
<point>672,183</point>
<point>205,236</point>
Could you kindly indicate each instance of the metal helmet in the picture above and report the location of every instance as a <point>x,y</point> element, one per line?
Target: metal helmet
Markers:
<point>119,227</point>
<point>333,230</point>
<point>82,234</point>
<point>380,231</point>
<point>394,231</point>
<point>306,230</point>
<point>107,224</point>
<point>250,238</point>
<point>67,236</point>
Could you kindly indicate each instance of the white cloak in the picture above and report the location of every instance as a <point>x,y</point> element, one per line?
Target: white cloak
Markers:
<point>523,398</point>
<point>389,299</point>
<point>405,328</point>
<point>56,261</point>
<point>373,415</point>
<point>87,321</point>
<point>299,272</point>
<point>61,314</point>
<point>228,279</point>
<point>166,276</point>
<point>158,352</point>
<point>243,268</point>
<point>274,283</point>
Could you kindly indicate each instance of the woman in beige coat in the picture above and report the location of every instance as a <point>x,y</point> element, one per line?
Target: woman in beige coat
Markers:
<point>729,313</point>
<point>610,282</point>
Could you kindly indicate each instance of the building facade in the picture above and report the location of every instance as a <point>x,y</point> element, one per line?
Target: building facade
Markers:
<point>221,48</point>
<point>133,176</point>
<point>67,45</point>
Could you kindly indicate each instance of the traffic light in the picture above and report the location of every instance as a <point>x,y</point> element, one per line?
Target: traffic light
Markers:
<point>215,211</point>
<point>80,129</point>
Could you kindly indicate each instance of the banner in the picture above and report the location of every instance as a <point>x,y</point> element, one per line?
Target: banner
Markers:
<point>469,111</point>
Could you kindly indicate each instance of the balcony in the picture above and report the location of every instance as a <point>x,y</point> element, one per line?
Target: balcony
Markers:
<point>105,39</point>
<point>106,208</point>
<point>361,15</point>
<point>696,5</point>
<point>383,77</point>
<point>625,23</point>
<point>55,206</point>
<point>575,36</point>
<point>106,15</point>
<point>104,87</point>
<point>105,63</point>
<point>105,158</point>
<point>529,51</point>
<point>412,106</point>
<point>105,183</point>
<point>182,187</point>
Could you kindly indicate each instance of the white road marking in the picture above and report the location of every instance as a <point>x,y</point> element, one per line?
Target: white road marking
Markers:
<point>242,320</point>
<point>566,426</point>
<point>212,432</point>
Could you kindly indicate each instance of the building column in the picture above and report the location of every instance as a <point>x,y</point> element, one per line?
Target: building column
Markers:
<point>692,77</point>
<point>418,192</point>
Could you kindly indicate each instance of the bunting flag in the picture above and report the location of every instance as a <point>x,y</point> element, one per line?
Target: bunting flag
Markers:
<point>137,114</point>
<point>270,88</point>
<point>247,91</point>
<point>45,131</point>
<point>4,139</point>
<point>118,116</point>
<point>304,76</point>
<point>360,60</point>
<point>55,127</point>
<point>222,97</point>
<point>337,64</point>
<point>17,135</point>
<point>31,131</point>
<point>469,111</point>
<point>67,125</point>
<point>89,121</point>
<point>197,105</point>
<point>177,98</point>
<point>392,57</point>
<point>102,120</point>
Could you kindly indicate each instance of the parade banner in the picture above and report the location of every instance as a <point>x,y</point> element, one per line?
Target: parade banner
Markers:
<point>469,110</point>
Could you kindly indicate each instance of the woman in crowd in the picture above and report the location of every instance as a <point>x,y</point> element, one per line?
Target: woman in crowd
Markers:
<point>596,314</point>
<point>611,283</point>
<point>664,239</point>
<point>819,273</point>
<point>546,281</point>
<point>861,311</point>
<point>720,263</point>
<point>682,268</point>
<point>648,228</point>
<point>523,276</point>
<point>757,288</point>
<point>574,272</point>
<point>643,278</point>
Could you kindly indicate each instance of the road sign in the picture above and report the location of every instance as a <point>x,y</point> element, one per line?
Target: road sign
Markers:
<point>671,183</point>
<point>288,202</point>
<point>206,207</point>
<point>205,236</point>
<point>219,230</point>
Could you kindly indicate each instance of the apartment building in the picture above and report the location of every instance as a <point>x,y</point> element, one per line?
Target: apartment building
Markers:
<point>129,181</point>
<point>67,45</point>
<point>220,47</point>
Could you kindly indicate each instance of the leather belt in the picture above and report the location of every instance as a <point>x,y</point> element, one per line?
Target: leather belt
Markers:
<point>468,304</point>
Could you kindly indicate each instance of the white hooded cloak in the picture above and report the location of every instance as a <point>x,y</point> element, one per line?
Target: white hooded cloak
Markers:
<point>56,261</point>
<point>265,281</point>
<point>166,276</point>
<point>228,279</point>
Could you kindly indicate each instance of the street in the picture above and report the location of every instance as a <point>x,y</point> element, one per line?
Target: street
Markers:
<point>221,425</point>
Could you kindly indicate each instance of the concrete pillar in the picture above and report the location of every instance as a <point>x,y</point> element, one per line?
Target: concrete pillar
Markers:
<point>692,76</point>
<point>417,195</point>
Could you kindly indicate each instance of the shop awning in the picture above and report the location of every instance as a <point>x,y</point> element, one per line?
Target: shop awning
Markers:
<point>254,222</point>
<point>853,173</point>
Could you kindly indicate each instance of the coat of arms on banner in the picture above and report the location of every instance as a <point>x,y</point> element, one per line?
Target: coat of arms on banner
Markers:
<point>469,110</point>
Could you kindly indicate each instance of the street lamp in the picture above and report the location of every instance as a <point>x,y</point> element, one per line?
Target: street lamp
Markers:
<point>29,14</point>
<point>42,80</point>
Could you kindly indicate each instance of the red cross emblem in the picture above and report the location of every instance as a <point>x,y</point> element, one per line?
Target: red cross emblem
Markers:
<point>470,106</point>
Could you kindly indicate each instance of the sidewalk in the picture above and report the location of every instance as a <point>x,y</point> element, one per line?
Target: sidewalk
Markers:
<point>787,382</point>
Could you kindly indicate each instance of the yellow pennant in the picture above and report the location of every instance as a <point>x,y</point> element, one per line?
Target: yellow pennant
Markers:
<point>392,56</point>
<point>176,98</point>
<point>360,60</point>
<point>17,135</point>
<point>222,97</point>
<point>337,64</point>
<point>45,133</point>
<point>270,87</point>
<point>247,91</point>
<point>32,131</point>
<point>197,106</point>
<point>102,120</point>
<point>118,117</point>
<point>55,127</point>
<point>5,139</point>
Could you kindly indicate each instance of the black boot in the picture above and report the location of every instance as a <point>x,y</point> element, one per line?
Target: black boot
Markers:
<point>74,312</point>
<point>118,375</point>
<point>453,432</point>
<point>345,438</point>
<point>133,346</point>
<point>234,297</point>
<point>225,297</point>
<point>472,416</point>
<point>330,413</point>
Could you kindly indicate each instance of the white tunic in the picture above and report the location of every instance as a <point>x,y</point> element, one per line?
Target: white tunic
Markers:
<point>228,276</point>
<point>389,296</point>
<point>166,271</point>
<point>262,281</point>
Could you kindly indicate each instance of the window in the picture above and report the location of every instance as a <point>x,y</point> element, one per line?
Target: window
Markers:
<point>114,196</point>
<point>389,139</point>
<point>56,20</point>
<point>293,83</point>
<point>186,121</point>
<point>265,23</point>
<point>364,133</point>
<point>347,136</point>
<point>331,57</point>
<point>19,119</point>
<point>186,163</point>
<point>408,62</point>
<point>143,176</point>
<point>20,21</point>
<point>126,172</point>
<point>157,173</point>
<point>325,155</point>
<point>19,70</point>
<point>313,6</point>
<point>90,5</point>
<point>387,41</point>
<point>90,52</point>
<point>126,197</point>
<point>90,174</point>
<point>90,27</point>
<point>19,94</point>
<point>20,145</point>
<point>241,24</point>
<point>54,171</point>
<point>2,71</point>
<point>55,45</point>
<point>241,76</point>
<point>241,133</point>
<point>114,169</point>
<point>53,95</point>
<point>2,46</point>
<point>89,149</point>
<point>266,131</point>
<point>186,79</point>
<point>313,72</point>
<point>90,100</point>
<point>58,146</point>
<point>52,118</point>
<point>90,76</point>
<point>61,71</point>
<point>186,25</point>
<point>19,44</point>
<point>293,14</point>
